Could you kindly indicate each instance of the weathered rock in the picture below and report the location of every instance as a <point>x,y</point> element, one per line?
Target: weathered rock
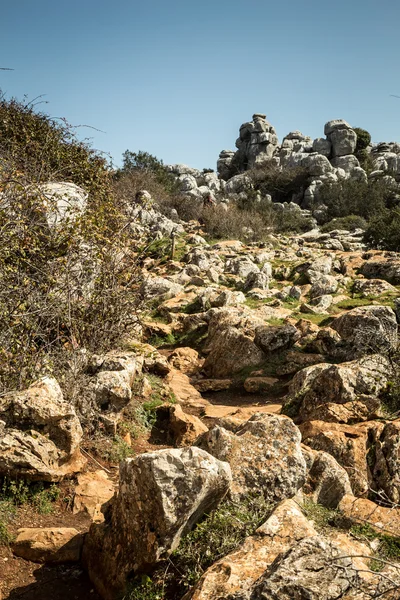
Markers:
<point>48,544</point>
<point>257,385</point>
<point>185,359</point>
<point>334,124</point>
<point>161,496</point>
<point>113,390</point>
<point>327,482</point>
<point>230,344</point>
<point>182,428</point>
<point>94,489</point>
<point>318,385</point>
<point>40,433</point>
<point>386,469</point>
<point>349,445</point>
<point>158,286</point>
<point>323,285</point>
<point>322,146</point>
<point>241,266</point>
<point>372,287</point>
<point>348,163</point>
<point>264,454</point>
<point>343,141</point>
<point>239,570</point>
<point>314,568</point>
<point>368,329</point>
<point>379,268</point>
<point>272,338</point>
<point>256,280</point>
<point>64,202</point>
<point>382,519</point>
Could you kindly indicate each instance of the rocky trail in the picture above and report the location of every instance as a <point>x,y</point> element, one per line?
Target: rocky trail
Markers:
<point>239,438</point>
<point>264,363</point>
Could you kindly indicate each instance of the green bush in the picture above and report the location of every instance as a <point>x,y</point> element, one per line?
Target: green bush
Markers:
<point>147,163</point>
<point>280,184</point>
<point>383,231</point>
<point>350,223</point>
<point>363,141</point>
<point>351,197</point>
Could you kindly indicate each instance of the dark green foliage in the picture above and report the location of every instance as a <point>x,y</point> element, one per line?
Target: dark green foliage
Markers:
<point>383,231</point>
<point>350,197</point>
<point>145,162</point>
<point>351,223</point>
<point>281,184</point>
<point>363,141</point>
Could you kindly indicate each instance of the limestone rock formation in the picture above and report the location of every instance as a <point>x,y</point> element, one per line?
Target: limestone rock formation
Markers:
<point>264,454</point>
<point>161,496</point>
<point>40,433</point>
<point>48,545</point>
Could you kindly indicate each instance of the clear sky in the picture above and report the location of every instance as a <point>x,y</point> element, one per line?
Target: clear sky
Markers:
<point>177,78</point>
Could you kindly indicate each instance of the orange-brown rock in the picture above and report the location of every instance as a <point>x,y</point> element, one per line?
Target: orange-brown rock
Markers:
<point>93,490</point>
<point>48,545</point>
<point>381,518</point>
<point>239,570</point>
<point>186,360</point>
<point>183,428</point>
<point>349,445</point>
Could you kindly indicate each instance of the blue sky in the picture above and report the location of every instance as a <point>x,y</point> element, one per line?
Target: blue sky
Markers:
<point>177,78</point>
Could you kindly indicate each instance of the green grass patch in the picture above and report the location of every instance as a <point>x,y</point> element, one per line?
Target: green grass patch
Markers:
<point>388,549</point>
<point>321,320</point>
<point>325,519</point>
<point>217,534</point>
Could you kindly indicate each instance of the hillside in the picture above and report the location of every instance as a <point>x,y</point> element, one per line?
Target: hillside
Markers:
<point>199,371</point>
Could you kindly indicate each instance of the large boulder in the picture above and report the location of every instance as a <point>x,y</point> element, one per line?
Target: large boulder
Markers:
<point>343,141</point>
<point>230,343</point>
<point>313,569</point>
<point>40,433</point>
<point>349,445</point>
<point>332,392</point>
<point>271,338</point>
<point>161,496</point>
<point>63,201</point>
<point>368,329</point>
<point>264,454</point>
<point>381,268</point>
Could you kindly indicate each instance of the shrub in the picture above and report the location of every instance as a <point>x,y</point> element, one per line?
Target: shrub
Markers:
<point>280,184</point>
<point>62,288</point>
<point>230,222</point>
<point>363,141</point>
<point>383,230</point>
<point>143,162</point>
<point>351,197</point>
<point>44,148</point>
<point>350,223</point>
